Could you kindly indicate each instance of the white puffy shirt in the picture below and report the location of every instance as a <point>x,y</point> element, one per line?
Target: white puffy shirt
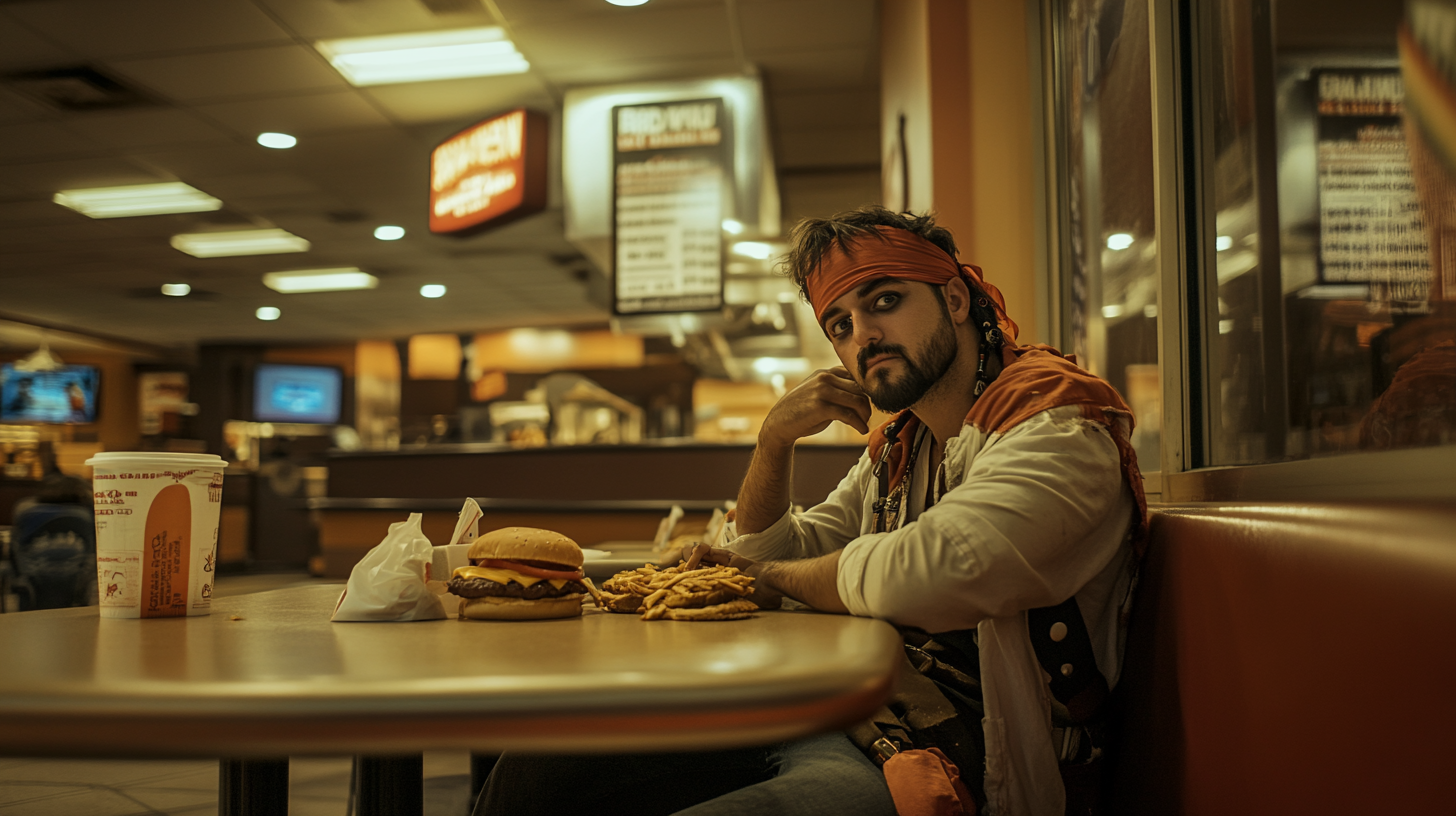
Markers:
<point>1029,517</point>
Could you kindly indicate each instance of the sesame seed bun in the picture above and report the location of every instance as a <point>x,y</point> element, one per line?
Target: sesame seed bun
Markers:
<point>527,544</point>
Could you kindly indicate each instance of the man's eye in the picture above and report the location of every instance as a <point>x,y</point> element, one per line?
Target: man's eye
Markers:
<point>887,300</point>
<point>839,327</point>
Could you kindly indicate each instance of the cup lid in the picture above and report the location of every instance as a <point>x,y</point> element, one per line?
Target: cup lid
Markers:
<point>156,459</point>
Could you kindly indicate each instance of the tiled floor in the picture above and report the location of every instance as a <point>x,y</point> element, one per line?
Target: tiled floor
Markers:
<point>317,786</point>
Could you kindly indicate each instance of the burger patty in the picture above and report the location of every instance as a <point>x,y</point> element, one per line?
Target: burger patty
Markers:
<point>483,587</point>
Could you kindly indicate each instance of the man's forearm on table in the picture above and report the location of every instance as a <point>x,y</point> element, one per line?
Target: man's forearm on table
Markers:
<point>812,581</point>
<point>764,496</point>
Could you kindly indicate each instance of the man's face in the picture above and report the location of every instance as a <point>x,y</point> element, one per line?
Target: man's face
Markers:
<point>895,337</point>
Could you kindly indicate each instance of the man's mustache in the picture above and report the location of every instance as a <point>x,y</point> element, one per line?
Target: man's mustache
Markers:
<point>875,350</point>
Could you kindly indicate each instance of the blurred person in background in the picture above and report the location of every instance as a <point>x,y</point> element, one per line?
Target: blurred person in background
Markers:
<point>53,545</point>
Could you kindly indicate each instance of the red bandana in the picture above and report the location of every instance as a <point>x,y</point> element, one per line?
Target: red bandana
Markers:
<point>895,253</point>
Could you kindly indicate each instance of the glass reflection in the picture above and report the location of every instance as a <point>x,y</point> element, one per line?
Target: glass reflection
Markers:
<point>1109,254</point>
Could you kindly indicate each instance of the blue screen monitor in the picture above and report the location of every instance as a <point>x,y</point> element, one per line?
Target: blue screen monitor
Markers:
<point>64,396</point>
<point>297,393</point>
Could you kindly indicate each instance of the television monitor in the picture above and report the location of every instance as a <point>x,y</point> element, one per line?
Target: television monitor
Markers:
<point>305,394</point>
<point>62,396</point>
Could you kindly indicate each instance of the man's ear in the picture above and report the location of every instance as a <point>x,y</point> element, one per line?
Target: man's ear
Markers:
<point>957,300</point>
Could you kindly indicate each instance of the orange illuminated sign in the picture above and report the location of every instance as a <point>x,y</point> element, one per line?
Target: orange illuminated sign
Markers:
<point>489,174</point>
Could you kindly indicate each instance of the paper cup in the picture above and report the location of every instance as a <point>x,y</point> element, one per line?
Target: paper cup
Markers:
<point>156,532</point>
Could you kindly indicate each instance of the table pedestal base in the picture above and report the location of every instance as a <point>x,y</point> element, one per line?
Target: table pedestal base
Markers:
<point>389,786</point>
<point>253,787</point>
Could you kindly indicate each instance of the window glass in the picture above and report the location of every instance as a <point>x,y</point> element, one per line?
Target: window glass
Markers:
<point>1328,322</point>
<point>1108,251</point>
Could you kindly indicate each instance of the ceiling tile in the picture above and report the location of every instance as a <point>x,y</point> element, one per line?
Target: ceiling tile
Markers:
<point>222,74</point>
<point>822,109</point>
<point>634,70</point>
<point>330,19</point>
<point>38,211</point>
<point>31,140</point>
<point>196,163</point>
<point>840,69</point>
<point>243,185</point>
<point>46,177</point>
<point>15,237</point>
<point>146,128</point>
<point>670,32</point>
<point>297,115</point>
<point>806,25</point>
<point>466,100</point>
<point>17,108</point>
<point>107,28</point>
<point>21,48</point>
<point>828,148</point>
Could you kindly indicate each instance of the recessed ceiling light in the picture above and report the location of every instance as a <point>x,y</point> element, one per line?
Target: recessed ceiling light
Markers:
<point>340,279</point>
<point>389,233</point>
<point>432,290</point>
<point>137,199</point>
<point>462,52</point>
<point>176,289</point>
<point>239,242</point>
<point>627,2</point>
<point>1224,242</point>
<point>732,226</point>
<point>1119,240</point>
<point>277,141</point>
<point>268,313</point>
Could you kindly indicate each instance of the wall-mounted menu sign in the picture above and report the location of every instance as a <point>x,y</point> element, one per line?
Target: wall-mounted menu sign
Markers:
<point>1371,229</point>
<point>489,174</point>
<point>670,167</point>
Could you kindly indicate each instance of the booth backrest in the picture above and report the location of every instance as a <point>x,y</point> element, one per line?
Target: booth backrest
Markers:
<point>1292,659</point>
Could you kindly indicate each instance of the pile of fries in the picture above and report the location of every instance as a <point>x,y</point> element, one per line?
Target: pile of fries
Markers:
<point>684,592</point>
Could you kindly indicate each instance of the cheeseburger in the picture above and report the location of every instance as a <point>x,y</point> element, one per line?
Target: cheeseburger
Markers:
<point>520,573</point>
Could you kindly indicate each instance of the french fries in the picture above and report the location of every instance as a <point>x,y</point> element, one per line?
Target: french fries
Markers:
<point>680,593</point>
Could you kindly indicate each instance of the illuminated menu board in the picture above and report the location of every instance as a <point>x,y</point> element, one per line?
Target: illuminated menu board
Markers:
<point>1371,229</point>
<point>489,174</point>
<point>670,168</point>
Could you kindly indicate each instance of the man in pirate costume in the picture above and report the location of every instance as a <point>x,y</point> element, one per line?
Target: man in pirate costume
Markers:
<point>999,514</point>
<point>994,519</point>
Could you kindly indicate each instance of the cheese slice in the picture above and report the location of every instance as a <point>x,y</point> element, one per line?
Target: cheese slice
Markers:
<point>502,576</point>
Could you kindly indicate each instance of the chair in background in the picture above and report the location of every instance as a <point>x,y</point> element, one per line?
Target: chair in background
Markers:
<point>53,556</point>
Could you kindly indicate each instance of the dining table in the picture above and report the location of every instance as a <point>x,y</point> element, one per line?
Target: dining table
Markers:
<point>268,675</point>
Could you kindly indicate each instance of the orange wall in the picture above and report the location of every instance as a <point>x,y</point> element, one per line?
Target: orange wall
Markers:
<point>1003,181</point>
<point>959,70</point>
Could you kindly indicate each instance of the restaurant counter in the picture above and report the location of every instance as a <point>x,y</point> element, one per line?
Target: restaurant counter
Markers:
<point>592,493</point>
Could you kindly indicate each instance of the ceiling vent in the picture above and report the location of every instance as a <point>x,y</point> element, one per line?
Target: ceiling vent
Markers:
<point>77,89</point>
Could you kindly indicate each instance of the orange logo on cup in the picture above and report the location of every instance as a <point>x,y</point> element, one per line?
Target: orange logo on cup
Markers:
<point>168,550</point>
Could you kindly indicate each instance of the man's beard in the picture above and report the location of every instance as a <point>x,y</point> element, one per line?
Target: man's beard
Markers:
<point>895,394</point>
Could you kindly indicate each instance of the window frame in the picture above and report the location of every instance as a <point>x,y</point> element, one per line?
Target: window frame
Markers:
<point>1184,227</point>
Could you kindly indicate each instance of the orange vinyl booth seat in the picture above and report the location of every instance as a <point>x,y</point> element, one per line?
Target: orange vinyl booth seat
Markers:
<point>1292,659</point>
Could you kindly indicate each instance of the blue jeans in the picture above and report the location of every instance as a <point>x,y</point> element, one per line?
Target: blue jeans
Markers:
<point>819,776</point>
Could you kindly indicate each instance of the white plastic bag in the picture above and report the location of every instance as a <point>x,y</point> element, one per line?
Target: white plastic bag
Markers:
<point>388,584</point>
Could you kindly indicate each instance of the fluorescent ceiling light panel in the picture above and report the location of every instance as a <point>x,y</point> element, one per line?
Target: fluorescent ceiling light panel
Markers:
<point>239,242</point>
<point>319,280</point>
<point>461,52</point>
<point>137,199</point>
